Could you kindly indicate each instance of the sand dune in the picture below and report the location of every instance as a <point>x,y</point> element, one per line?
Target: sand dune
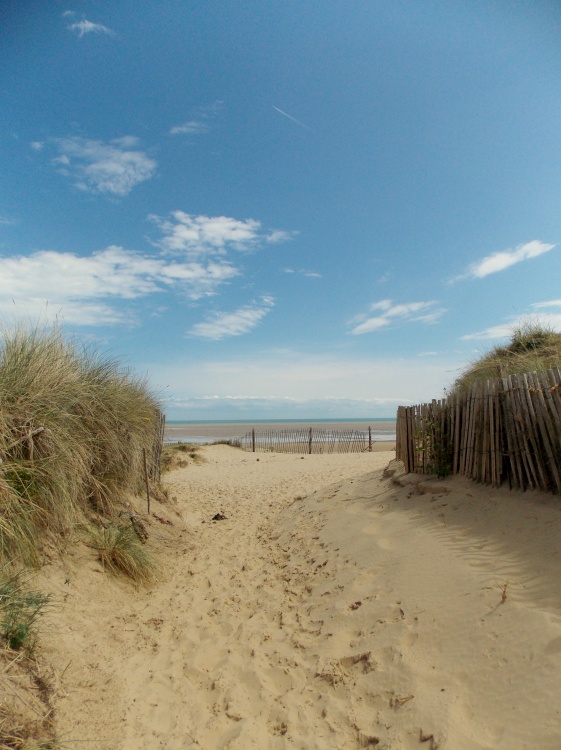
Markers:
<point>331,608</point>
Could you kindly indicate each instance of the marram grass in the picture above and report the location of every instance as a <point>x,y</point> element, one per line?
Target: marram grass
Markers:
<point>533,346</point>
<point>73,425</point>
<point>121,551</point>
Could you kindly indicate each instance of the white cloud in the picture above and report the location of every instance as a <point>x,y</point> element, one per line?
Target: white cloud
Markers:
<point>279,235</point>
<point>111,168</point>
<point>37,145</point>
<point>243,320</point>
<point>88,27</point>
<point>503,259</point>
<point>549,303</point>
<point>201,122</point>
<point>191,127</point>
<point>214,235</point>
<point>423,312</point>
<point>82,288</point>
<point>303,272</point>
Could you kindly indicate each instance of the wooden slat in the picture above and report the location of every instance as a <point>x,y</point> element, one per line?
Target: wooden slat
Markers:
<point>550,455</point>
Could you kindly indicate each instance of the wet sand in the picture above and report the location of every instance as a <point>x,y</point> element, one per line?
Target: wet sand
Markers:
<point>209,432</point>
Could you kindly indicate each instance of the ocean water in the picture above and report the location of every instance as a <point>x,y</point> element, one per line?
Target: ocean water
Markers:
<point>199,431</point>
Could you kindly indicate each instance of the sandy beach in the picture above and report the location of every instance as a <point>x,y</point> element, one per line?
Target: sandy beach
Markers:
<point>331,608</point>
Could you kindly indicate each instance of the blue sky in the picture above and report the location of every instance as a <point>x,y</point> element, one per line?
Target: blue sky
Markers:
<point>282,208</point>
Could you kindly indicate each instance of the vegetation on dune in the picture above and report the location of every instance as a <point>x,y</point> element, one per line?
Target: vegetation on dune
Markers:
<point>74,429</point>
<point>533,346</point>
<point>180,455</point>
<point>121,550</point>
<point>73,425</point>
<point>19,610</point>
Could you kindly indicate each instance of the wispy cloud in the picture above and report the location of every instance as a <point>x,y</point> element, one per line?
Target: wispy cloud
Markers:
<point>91,283</point>
<point>549,303</point>
<point>290,117</point>
<point>212,235</point>
<point>112,168</point>
<point>206,242</point>
<point>503,259</point>
<point>88,27</point>
<point>191,127</point>
<point>389,313</point>
<point>304,272</point>
<point>222,324</point>
<point>200,123</point>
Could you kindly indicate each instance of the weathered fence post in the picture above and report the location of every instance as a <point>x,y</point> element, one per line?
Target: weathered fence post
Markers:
<point>310,442</point>
<point>146,479</point>
<point>253,439</point>
<point>370,439</point>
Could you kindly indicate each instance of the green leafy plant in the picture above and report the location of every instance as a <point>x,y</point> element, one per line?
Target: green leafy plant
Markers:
<point>434,444</point>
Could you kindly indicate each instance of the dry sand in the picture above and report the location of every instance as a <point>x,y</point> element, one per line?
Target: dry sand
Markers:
<point>332,608</point>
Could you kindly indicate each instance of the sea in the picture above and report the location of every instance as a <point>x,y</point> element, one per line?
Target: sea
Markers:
<point>196,431</point>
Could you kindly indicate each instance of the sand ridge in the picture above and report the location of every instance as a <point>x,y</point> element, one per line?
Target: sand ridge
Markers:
<point>331,608</point>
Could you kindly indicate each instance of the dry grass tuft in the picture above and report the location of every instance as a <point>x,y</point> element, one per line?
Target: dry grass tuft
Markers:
<point>25,709</point>
<point>122,551</point>
<point>180,455</point>
<point>533,346</point>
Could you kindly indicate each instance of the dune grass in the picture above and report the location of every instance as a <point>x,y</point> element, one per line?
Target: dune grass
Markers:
<point>122,551</point>
<point>73,425</point>
<point>19,610</point>
<point>179,455</point>
<point>533,346</point>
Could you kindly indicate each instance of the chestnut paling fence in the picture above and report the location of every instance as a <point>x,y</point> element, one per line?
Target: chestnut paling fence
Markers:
<point>506,429</point>
<point>305,441</point>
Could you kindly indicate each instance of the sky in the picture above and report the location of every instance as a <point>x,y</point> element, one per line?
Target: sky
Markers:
<point>282,208</point>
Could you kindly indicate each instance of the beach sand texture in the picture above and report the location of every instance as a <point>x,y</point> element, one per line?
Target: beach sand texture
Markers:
<point>331,608</point>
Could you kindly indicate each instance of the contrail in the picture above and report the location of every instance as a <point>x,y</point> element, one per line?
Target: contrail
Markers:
<point>291,118</point>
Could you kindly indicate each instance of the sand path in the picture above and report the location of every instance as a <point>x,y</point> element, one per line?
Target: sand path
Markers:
<point>232,627</point>
<point>329,609</point>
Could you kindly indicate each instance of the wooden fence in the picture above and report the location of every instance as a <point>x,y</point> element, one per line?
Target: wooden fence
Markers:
<point>507,429</point>
<point>305,441</point>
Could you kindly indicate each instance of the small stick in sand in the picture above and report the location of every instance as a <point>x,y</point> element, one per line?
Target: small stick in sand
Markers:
<point>398,702</point>
<point>504,594</point>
